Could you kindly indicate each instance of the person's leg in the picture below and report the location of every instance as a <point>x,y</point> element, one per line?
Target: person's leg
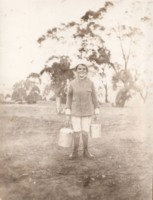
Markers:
<point>76,124</point>
<point>76,138</point>
<point>86,152</point>
<point>86,121</point>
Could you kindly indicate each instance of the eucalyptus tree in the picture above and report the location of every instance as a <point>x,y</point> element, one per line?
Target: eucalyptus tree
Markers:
<point>19,91</point>
<point>33,82</point>
<point>25,91</point>
<point>122,34</point>
<point>59,73</point>
<point>88,39</point>
<point>129,74</point>
<point>84,42</point>
<point>2,97</point>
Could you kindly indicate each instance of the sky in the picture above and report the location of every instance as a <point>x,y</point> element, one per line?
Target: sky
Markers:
<point>24,21</point>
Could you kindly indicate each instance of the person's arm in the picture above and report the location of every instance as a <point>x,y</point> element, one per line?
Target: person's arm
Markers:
<point>94,100</point>
<point>94,97</point>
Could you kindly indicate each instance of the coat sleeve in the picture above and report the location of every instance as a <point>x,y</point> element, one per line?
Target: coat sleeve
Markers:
<point>94,97</point>
<point>69,97</point>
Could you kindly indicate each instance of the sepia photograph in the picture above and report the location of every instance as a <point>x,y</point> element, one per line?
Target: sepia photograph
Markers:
<point>76,100</point>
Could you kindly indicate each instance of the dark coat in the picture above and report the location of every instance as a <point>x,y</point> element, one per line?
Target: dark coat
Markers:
<point>81,97</point>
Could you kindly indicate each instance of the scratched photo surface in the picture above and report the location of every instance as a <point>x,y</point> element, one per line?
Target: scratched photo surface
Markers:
<point>41,43</point>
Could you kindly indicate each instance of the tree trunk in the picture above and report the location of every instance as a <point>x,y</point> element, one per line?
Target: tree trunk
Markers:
<point>106,94</point>
<point>58,104</point>
<point>122,97</point>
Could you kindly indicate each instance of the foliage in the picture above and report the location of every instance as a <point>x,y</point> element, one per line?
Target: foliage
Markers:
<point>122,96</point>
<point>87,38</point>
<point>59,73</point>
<point>19,91</point>
<point>124,76</point>
<point>7,96</point>
<point>34,76</point>
<point>2,97</point>
<point>34,95</point>
<point>26,91</point>
<point>19,94</point>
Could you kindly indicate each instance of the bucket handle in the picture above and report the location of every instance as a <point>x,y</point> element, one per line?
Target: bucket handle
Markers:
<point>95,119</point>
<point>69,125</point>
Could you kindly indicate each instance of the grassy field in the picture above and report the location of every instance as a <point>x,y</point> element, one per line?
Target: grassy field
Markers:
<point>34,167</point>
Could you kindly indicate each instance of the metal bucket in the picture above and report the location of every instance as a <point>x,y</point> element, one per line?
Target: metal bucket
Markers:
<point>65,137</point>
<point>95,130</point>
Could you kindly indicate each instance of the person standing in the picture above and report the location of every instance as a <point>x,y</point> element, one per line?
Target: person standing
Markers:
<point>81,104</point>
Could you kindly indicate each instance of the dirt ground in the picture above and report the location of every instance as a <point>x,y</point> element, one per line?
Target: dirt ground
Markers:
<point>34,167</point>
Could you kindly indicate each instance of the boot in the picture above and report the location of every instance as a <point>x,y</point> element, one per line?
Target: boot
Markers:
<point>86,153</point>
<point>74,154</point>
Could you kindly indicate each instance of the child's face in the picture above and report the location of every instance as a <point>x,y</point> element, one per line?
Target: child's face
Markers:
<point>82,71</point>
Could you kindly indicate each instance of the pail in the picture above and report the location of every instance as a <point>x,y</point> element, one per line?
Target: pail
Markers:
<point>95,130</point>
<point>65,137</point>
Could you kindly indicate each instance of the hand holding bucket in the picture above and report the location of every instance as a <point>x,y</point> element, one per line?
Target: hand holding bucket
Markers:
<point>66,134</point>
<point>65,137</point>
<point>95,129</point>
